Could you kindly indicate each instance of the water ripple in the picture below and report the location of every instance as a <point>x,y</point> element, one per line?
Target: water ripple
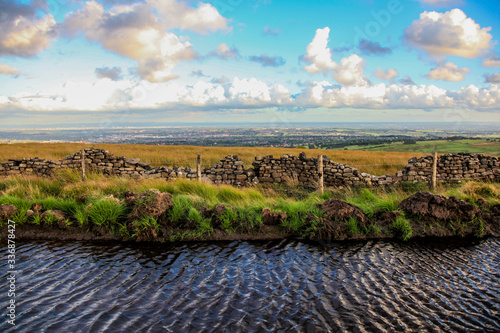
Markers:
<point>371,286</point>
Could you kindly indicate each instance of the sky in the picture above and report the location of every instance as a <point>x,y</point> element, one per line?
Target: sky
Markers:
<point>77,63</point>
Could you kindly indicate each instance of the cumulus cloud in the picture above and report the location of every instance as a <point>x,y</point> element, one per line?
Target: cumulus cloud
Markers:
<point>388,75</point>
<point>492,78</point>
<point>381,96</point>
<point>475,98</point>
<point>224,52</point>
<point>203,19</point>
<point>23,33</point>
<point>7,70</point>
<point>256,92</point>
<point>450,33</point>
<point>247,93</point>
<point>491,62</point>
<point>133,32</point>
<point>350,71</point>
<point>269,31</point>
<point>448,72</point>
<point>267,61</point>
<point>74,96</point>
<point>368,47</point>
<point>114,74</point>
<point>319,57</point>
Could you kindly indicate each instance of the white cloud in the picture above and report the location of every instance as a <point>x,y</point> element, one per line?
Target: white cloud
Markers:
<point>475,98</point>
<point>75,96</point>
<point>417,97</point>
<point>325,95</point>
<point>133,32</point>
<point>388,75</point>
<point>319,57</point>
<point>350,71</point>
<point>448,72</point>
<point>203,19</point>
<point>254,92</point>
<point>491,62</point>
<point>22,32</point>
<point>450,33</point>
<point>241,94</point>
<point>7,70</point>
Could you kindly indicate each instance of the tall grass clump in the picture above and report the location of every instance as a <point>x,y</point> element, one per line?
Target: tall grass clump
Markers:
<point>352,226</point>
<point>106,213</point>
<point>203,225</point>
<point>302,216</point>
<point>181,208</point>
<point>147,222</point>
<point>82,215</point>
<point>402,228</point>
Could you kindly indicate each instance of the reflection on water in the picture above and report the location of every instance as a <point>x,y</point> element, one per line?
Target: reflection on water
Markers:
<point>373,286</point>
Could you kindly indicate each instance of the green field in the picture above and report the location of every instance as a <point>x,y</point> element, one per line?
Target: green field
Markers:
<point>441,146</point>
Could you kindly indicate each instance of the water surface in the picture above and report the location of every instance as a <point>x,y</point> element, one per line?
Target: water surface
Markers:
<point>276,286</point>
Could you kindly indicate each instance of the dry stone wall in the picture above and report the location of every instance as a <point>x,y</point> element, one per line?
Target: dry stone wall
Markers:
<point>453,167</point>
<point>287,169</point>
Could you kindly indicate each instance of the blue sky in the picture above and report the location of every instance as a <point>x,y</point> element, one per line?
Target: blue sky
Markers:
<point>85,62</point>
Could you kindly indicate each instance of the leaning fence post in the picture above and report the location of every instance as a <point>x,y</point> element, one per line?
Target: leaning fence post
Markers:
<point>198,168</point>
<point>82,158</point>
<point>321,185</point>
<point>434,171</point>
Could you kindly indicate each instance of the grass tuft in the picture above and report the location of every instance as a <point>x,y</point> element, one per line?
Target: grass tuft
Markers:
<point>402,228</point>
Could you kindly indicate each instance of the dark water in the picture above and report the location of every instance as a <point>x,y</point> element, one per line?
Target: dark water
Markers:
<point>278,286</point>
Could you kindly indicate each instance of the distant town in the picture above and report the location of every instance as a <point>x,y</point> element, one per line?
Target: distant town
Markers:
<point>307,136</point>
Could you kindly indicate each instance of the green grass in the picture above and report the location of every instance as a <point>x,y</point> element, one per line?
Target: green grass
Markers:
<point>146,222</point>
<point>105,213</point>
<point>202,225</point>
<point>352,226</point>
<point>402,228</point>
<point>183,207</point>
<point>92,206</point>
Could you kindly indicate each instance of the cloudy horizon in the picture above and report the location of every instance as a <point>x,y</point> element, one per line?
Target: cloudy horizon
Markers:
<point>134,61</point>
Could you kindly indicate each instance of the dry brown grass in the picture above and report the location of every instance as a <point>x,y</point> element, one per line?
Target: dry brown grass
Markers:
<point>376,163</point>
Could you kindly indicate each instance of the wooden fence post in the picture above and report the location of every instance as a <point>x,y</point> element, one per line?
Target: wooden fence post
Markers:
<point>434,171</point>
<point>82,158</point>
<point>321,185</point>
<point>198,168</point>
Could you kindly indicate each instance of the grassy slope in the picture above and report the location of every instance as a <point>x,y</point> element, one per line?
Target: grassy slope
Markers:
<point>376,163</point>
<point>442,146</point>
